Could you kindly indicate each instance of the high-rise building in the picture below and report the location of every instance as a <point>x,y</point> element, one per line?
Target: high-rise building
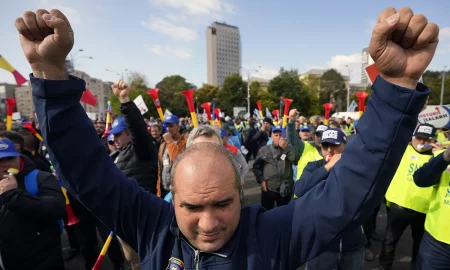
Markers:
<point>223,48</point>
<point>366,60</point>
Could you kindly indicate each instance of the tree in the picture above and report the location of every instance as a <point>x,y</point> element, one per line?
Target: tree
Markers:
<point>332,89</point>
<point>433,79</point>
<point>138,86</point>
<point>312,86</point>
<point>206,94</point>
<point>232,94</point>
<point>287,84</point>
<point>171,96</point>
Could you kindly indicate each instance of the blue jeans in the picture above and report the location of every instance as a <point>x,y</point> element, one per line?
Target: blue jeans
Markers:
<point>432,254</point>
<point>332,260</point>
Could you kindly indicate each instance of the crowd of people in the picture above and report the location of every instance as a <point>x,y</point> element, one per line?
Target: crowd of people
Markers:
<point>172,194</point>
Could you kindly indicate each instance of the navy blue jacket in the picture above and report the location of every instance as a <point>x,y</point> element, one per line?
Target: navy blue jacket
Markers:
<point>312,175</point>
<point>282,238</point>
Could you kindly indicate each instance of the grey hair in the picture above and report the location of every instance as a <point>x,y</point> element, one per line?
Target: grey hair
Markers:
<point>207,131</point>
<point>207,148</point>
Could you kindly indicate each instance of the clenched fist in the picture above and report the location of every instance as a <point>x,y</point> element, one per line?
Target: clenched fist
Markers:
<point>46,39</point>
<point>403,45</point>
<point>121,90</point>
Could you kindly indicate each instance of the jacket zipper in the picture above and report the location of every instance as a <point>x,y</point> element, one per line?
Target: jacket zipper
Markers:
<point>340,245</point>
<point>197,254</point>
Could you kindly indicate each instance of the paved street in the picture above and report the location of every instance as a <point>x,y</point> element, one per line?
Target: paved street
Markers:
<point>252,196</point>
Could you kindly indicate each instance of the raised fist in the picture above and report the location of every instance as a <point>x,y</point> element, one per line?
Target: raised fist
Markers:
<point>403,45</point>
<point>292,115</point>
<point>46,39</point>
<point>121,90</point>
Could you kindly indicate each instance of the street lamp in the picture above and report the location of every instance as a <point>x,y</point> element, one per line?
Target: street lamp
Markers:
<point>442,86</point>
<point>348,88</point>
<point>248,85</point>
<point>117,73</point>
<point>73,58</point>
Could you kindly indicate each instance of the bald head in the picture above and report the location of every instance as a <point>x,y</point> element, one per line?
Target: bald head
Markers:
<point>206,157</point>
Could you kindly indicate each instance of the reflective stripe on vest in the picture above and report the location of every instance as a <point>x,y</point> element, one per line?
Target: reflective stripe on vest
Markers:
<point>309,154</point>
<point>402,190</point>
<point>437,222</point>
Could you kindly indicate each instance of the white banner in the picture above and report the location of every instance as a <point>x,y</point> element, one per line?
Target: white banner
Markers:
<point>139,101</point>
<point>438,116</point>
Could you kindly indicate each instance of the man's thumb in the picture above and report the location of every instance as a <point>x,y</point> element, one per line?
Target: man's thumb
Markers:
<point>381,33</point>
<point>60,28</point>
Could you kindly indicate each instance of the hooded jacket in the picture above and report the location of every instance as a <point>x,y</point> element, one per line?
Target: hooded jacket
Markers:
<point>30,236</point>
<point>282,238</point>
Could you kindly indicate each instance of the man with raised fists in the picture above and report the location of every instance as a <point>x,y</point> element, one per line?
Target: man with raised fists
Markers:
<point>205,227</point>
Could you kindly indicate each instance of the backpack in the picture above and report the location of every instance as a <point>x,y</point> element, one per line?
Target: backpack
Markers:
<point>32,187</point>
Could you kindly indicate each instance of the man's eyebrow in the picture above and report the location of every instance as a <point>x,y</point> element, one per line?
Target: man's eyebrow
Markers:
<point>191,205</point>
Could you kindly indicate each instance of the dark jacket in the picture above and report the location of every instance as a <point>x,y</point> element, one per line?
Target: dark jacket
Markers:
<point>30,235</point>
<point>313,174</point>
<point>41,163</point>
<point>138,159</point>
<point>274,165</point>
<point>260,139</point>
<point>283,238</point>
<point>251,145</point>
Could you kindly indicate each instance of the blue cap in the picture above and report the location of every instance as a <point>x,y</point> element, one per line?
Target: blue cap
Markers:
<point>223,133</point>
<point>172,119</point>
<point>118,126</point>
<point>334,136</point>
<point>305,128</point>
<point>110,138</point>
<point>7,149</point>
<point>276,128</point>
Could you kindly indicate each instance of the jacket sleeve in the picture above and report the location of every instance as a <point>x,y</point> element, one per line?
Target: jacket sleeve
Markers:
<point>143,146</point>
<point>294,140</point>
<point>244,166</point>
<point>258,166</point>
<point>430,173</point>
<point>311,176</point>
<point>291,154</point>
<point>256,137</point>
<point>88,172</point>
<point>291,235</point>
<point>48,204</point>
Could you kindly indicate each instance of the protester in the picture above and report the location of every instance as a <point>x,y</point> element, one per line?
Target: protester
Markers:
<point>172,146</point>
<point>434,250</point>
<point>273,170</point>
<point>206,227</point>
<point>31,207</point>
<point>262,135</point>
<point>346,252</point>
<point>156,132</point>
<point>408,203</point>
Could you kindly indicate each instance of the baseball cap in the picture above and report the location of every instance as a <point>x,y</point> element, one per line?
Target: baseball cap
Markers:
<point>172,119</point>
<point>118,126</point>
<point>276,128</point>
<point>223,133</point>
<point>320,129</point>
<point>333,136</point>
<point>110,138</point>
<point>425,131</point>
<point>7,149</point>
<point>305,128</point>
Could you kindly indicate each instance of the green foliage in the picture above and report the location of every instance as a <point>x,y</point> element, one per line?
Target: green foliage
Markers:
<point>287,84</point>
<point>332,89</point>
<point>433,79</point>
<point>171,94</point>
<point>206,94</point>
<point>232,94</point>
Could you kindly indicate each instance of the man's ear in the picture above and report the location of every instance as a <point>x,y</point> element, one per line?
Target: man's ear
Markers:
<point>17,147</point>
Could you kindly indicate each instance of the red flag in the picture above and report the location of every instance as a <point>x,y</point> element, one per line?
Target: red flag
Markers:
<point>88,98</point>
<point>372,72</point>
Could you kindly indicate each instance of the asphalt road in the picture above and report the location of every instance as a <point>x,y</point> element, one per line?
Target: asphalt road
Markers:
<point>252,196</point>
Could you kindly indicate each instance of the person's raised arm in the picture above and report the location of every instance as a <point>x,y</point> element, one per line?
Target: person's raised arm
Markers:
<point>292,134</point>
<point>291,235</point>
<point>430,173</point>
<point>73,145</point>
<point>140,138</point>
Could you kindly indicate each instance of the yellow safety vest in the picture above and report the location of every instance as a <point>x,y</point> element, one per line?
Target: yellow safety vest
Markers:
<point>309,154</point>
<point>440,137</point>
<point>402,190</point>
<point>437,222</point>
<point>348,129</point>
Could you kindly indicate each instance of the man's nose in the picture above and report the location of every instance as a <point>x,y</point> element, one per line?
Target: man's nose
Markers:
<point>208,222</point>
